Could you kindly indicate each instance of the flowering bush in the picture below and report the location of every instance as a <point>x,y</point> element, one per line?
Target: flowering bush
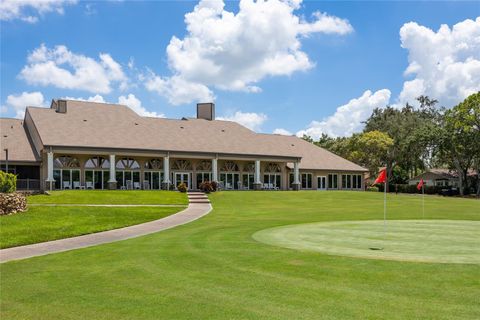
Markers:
<point>182,187</point>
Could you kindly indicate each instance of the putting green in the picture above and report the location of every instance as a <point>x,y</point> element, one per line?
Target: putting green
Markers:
<point>439,241</point>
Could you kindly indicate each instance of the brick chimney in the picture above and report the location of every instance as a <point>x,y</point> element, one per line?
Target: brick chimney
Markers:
<point>206,111</point>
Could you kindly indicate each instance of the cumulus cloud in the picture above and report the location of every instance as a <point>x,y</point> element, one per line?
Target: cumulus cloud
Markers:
<point>136,105</point>
<point>251,120</point>
<point>229,51</point>
<point>445,65</point>
<point>348,118</point>
<point>66,70</point>
<point>282,132</point>
<point>30,10</point>
<point>96,98</point>
<point>18,102</point>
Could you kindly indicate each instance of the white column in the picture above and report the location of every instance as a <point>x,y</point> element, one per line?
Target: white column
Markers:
<point>296,173</point>
<point>50,167</point>
<point>113,177</point>
<point>257,172</point>
<point>215,170</point>
<point>166,169</point>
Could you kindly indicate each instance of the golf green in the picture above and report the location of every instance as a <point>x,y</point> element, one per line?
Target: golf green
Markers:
<point>437,241</point>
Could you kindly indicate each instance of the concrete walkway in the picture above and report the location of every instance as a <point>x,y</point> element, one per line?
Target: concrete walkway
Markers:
<point>106,205</point>
<point>198,207</point>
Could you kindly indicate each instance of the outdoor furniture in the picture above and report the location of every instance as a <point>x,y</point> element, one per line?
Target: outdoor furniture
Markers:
<point>66,185</point>
<point>76,185</point>
<point>265,186</point>
<point>136,185</point>
<point>129,185</point>
<point>89,185</point>
<point>146,185</point>
<point>228,186</point>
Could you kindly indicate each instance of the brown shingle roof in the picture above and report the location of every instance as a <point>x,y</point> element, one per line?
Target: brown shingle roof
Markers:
<point>14,138</point>
<point>87,124</point>
<point>99,125</point>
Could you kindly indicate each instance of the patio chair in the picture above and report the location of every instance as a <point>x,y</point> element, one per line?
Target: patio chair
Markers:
<point>146,185</point>
<point>76,184</point>
<point>228,186</point>
<point>129,184</point>
<point>265,186</point>
<point>66,185</point>
<point>136,185</point>
<point>89,185</point>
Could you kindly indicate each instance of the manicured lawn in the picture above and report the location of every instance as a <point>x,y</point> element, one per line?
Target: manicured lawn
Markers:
<point>214,269</point>
<point>40,224</point>
<point>111,197</point>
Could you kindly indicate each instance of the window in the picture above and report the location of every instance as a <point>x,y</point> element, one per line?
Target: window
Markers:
<point>247,181</point>
<point>97,163</point>
<point>306,181</point>
<point>154,164</point>
<point>272,181</point>
<point>357,181</point>
<point>346,181</point>
<point>127,163</point>
<point>332,181</point>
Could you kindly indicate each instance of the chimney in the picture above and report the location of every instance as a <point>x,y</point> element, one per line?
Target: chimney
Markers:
<point>60,106</point>
<point>206,111</point>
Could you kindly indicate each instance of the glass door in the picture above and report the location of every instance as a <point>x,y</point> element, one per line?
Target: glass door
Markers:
<point>322,182</point>
<point>203,177</point>
<point>182,177</point>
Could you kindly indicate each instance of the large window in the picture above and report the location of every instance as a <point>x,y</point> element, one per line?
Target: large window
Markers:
<point>247,181</point>
<point>351,181</point>
<point>306,181</point>
<point>272,181</point>
<point>230,181</point>
<point>96,177</point>
<point>332,181</point>
<point>128,174</point>
<point>152,180</point>
<point>203,177</point>
<point>66,177</point>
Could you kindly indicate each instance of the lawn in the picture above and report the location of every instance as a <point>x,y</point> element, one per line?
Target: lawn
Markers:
<point>40,224</point>
<point>214,269</point>
<point>110,197</point>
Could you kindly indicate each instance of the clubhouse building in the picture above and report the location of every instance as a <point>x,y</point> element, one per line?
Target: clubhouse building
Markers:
<point>86,145</point>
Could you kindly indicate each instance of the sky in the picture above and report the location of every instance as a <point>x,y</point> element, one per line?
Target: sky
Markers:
<point>285,67</point>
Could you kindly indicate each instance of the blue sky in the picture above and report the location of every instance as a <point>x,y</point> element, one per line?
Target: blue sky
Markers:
<point>354,47</point>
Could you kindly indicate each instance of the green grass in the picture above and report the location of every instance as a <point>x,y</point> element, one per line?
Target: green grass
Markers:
<point>110,197</point>
<point>214,269</point>
<point>443,241</point>
<point>40,224</point>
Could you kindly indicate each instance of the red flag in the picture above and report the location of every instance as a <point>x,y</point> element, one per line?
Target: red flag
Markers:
<point>420,185</point>
<point>382,177</point>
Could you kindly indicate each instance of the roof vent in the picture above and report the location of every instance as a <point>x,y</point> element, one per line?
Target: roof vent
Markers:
<point>206,111</point>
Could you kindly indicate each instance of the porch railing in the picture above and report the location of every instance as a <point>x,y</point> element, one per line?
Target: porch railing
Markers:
<point>28,184</point>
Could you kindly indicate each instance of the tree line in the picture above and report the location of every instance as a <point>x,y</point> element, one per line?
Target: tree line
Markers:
<point>409,140</point>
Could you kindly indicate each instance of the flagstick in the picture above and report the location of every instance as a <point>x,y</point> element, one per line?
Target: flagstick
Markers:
<point>385,209</point>
<point>423,202</point>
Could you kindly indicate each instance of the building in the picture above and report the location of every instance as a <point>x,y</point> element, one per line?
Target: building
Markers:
<point>77,144</point>
<point>440,177</point>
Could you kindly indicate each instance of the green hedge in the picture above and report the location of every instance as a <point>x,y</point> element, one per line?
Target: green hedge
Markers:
<point>8,182</point>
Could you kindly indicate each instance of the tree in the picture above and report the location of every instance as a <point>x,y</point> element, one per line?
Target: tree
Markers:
<point>371,149</point>
<point>460,138</point>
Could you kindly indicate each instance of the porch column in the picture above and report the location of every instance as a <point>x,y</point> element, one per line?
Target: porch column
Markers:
<point>112,181</point>
<point>215,169</point>
<point>50,179</point>
<point>166,173</point>
<point>257,183</point>
<point>296,176</point>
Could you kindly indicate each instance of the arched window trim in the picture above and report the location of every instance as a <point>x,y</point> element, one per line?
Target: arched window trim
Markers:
<point>204,165</point>
<point>230,166</point>
<point>65,161</point>
<point>154,164</point>
<point>273,168</point>
<point>249,167</point>
<point>97,163</point>
<point>127,164</point>
<point>182,165</point>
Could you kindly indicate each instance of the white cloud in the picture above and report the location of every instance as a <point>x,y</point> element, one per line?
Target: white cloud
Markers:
<point>20,101</point>
<point>251,120</point>
<point>231,51</point>
<point>282,132</point>
<point>177,90</point>
<point>136,105</point>
<point>66,70</point>
<point>445,65</point>
<point>30,10</point>
<point>96,98</point>
<point>348,118</point>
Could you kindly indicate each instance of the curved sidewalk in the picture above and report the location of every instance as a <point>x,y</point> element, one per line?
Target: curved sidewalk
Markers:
<point>194,211</point>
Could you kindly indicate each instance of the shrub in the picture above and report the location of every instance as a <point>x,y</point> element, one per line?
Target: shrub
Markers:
<point>214,185</point>
<point>8,182</point>
<point>12,203</point>
<point>373,189</point>
<point>206,187</point>
<point>182,187</point>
